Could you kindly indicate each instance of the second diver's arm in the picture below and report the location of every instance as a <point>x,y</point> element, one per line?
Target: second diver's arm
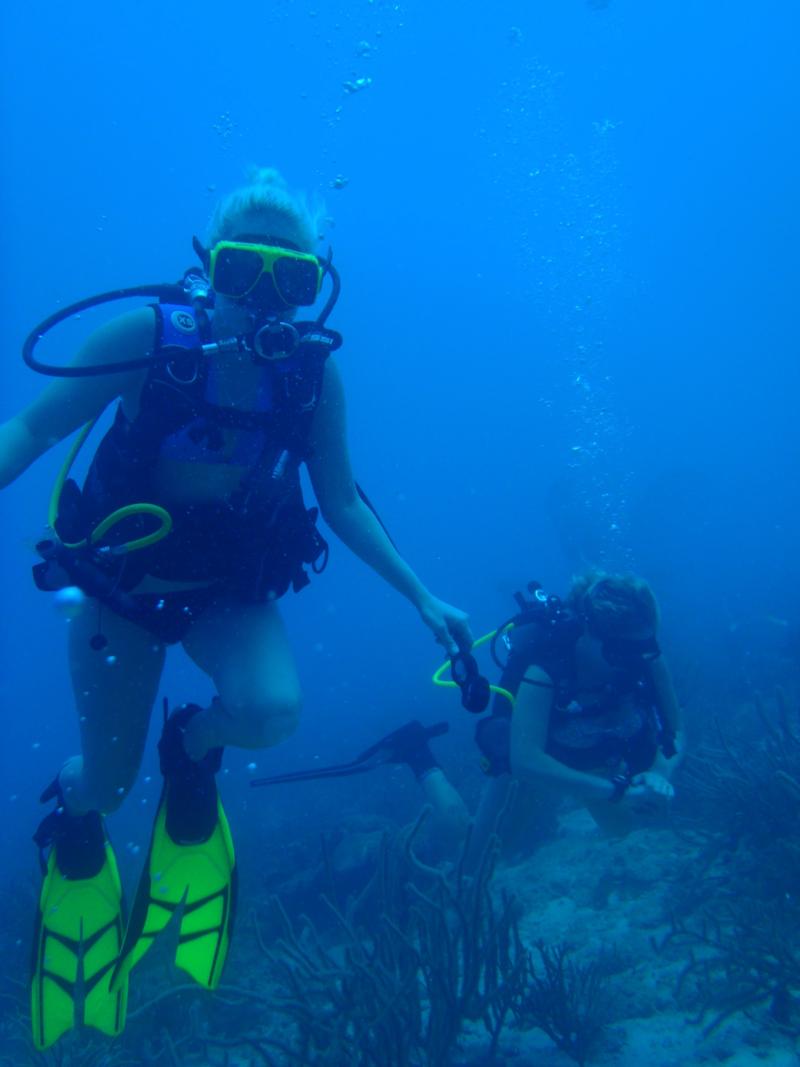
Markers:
<point>672,715</point>
<point>529,757</point>
<point>355,524</point>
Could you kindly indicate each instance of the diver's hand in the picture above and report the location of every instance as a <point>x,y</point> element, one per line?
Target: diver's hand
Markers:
<point>651,784</point>
<point>450,626</point>
<point>649,793</point>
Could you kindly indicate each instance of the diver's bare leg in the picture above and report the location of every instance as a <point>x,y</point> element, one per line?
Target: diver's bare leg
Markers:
<point>245,650</point>
<point>449,817</point>
<point>490,807</point>
<point>114,692</point>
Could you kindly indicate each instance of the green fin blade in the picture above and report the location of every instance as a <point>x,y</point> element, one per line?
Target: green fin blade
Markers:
<point>77,942</point>
<point>199,879</point>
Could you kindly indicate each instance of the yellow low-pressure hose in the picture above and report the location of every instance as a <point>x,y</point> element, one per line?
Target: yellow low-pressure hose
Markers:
<point>446,684</point>
<point>102,528</point>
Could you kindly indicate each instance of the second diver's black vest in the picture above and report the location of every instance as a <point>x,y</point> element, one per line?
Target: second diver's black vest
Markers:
<point>576,736</point>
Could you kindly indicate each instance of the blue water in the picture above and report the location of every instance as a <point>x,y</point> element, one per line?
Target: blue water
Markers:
<point>567,234</point>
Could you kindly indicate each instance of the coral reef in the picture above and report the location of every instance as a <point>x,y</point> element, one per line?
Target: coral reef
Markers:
<point>433,952</point>
<point>736,909</point>
<point>407,965</point>
<point>570,1000</point>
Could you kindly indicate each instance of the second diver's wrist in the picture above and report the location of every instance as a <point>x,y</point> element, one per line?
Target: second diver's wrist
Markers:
<point>620,784</point>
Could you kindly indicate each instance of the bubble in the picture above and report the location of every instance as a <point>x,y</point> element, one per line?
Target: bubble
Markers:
<point>111,660</point>
<point>69,601</point>
<point>224,127</point>
<point>252,766</point>
<point>356,85</point>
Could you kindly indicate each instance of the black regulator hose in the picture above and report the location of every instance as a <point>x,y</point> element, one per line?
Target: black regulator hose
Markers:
<point>168,293</point>
<point>336,288</point>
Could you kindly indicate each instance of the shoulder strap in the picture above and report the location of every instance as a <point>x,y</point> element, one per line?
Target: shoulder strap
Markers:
<point>537,640</point>
<point>296,390</point>
<point>176,325</point>
<point>298,383</point>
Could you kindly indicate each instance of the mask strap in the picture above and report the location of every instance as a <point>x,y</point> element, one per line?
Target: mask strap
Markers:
<point>201,252</point>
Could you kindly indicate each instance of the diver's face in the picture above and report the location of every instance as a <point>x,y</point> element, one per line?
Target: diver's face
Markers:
<point>266,229</point>
<point>601,657</point>
<point>589,659</point>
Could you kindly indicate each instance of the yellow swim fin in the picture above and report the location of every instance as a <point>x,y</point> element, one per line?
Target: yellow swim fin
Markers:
<point>190,867</point>
<point>79,930</point>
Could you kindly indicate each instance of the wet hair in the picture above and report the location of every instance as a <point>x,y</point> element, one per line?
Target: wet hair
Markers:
<point>614,604</point>
<point>267,193</point>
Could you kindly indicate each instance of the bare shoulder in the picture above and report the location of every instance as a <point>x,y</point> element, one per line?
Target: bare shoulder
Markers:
<point>535,699</point>
<point>332,386</point>
<point>128,336</point>
<point>329,417</point>
<point>67,403</point>
<point>538,677</point>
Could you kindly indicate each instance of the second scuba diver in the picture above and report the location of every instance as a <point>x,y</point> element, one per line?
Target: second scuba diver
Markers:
<point>189,527</point>
<point>585,707</point>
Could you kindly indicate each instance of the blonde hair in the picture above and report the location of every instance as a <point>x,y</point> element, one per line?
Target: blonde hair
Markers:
<point>614,603</point>
<point>268,193</point>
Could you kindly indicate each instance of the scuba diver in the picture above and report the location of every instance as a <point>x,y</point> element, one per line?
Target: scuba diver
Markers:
<point>189,527</point>
<point>584,706</point>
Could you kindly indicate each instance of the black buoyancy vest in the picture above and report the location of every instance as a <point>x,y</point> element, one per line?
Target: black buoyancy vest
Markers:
<point>552,648</point>
<point>259,536</point>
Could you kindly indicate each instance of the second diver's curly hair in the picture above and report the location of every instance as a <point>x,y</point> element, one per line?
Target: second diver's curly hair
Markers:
<point>267,193</point>
<point>614,603</point>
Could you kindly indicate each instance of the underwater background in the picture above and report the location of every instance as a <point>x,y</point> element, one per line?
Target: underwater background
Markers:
<point>567,234</point>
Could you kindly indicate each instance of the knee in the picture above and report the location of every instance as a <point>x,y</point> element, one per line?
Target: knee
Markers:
<point>265,722</point>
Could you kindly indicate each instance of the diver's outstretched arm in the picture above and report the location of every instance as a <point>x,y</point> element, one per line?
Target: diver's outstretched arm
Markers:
<point>529,757</point>
<point>356,525</point>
